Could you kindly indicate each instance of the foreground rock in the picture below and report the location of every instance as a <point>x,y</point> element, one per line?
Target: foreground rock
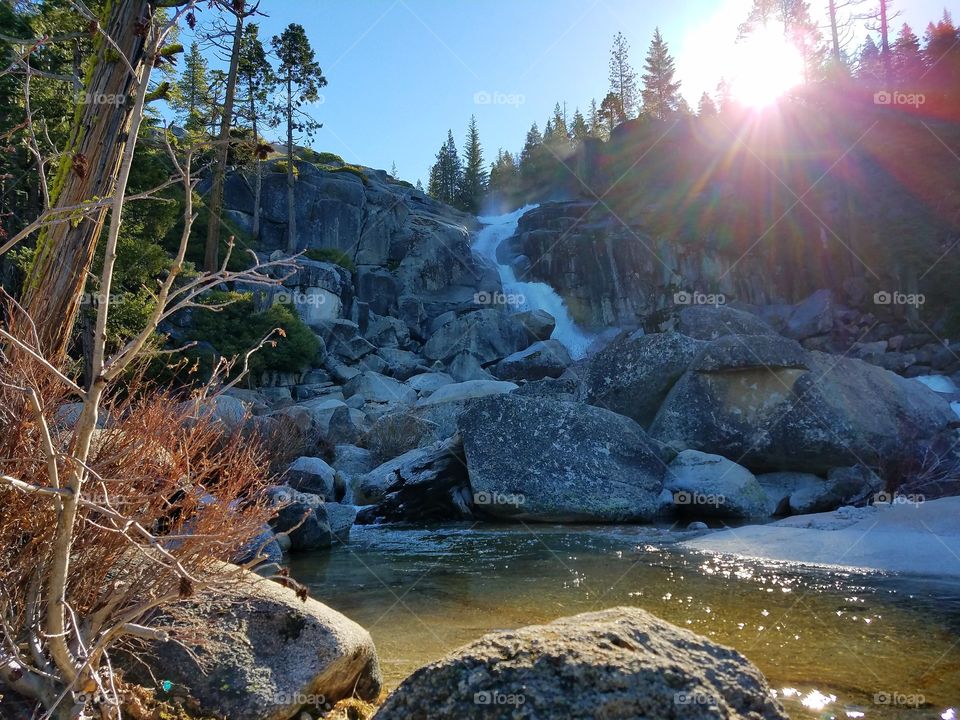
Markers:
<point>267,653</point>
<point>905,536</point>
<point>540,459</point>
<point>615,664</point>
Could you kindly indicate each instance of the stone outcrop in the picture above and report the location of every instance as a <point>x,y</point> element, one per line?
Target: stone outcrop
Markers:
<point>619,664</point>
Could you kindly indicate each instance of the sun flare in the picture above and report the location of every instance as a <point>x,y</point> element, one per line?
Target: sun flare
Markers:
<point>766,67</point>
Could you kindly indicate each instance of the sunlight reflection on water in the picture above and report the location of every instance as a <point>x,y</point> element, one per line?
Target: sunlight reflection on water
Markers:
<point>837,644</point>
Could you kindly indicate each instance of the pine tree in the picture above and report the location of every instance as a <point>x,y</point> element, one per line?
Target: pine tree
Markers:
<point>446,173</point>
<point>870,67</point>
<point>504,174</point>
<point>560,123</point>
<point>706,107</point>
<point>611,113</point>
<point>623,78</point>
<point>393,170</point>
<point>942,55</point>
<point>661,94</point>
<point>594,119</point>
<point>191,96</point>
<point>907,60</point>
<point>419,185</point>
<point>256,82</point>
<point>474,180</point>
<point>579,130</point>
<point>300,79</point>
<point>532,158</point>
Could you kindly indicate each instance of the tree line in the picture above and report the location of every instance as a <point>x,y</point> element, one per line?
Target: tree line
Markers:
<point>895,62</point>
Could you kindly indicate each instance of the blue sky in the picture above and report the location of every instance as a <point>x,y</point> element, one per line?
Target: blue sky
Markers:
<point>401,72</point>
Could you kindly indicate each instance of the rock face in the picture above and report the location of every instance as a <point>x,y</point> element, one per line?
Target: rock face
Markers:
<point>540,459</point>
<point>633,376</point>
<point>778,416</point>
<point>617,664</point>
<point>269,653</point>
<point>488,335</point>
<point>710,323</point>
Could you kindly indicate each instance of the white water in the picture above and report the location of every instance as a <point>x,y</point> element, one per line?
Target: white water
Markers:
<point>520,295</point>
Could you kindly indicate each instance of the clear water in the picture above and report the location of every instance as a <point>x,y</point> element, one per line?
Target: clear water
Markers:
<point>832,644</point>
<point>521,295</point>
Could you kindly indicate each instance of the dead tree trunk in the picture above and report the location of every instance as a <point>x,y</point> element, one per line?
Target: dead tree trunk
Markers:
<point>88,169</point>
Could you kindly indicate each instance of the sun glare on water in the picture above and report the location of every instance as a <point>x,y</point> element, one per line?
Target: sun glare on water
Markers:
<point>765,67</point>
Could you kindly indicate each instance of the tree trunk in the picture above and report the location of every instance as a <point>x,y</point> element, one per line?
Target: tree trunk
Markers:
<point>88,169</point>
<point>211,259</point>
<point>258,180</point>
<point>835,31</point>
<point>291,206</point>
<point>885,45</point>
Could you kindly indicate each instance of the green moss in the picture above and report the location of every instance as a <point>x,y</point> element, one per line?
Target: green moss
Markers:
<point>352,169</point>
<point>333,255</point>
<point>328,158</point>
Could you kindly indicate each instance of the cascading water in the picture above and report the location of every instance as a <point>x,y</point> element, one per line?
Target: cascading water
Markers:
<point>520,295</point>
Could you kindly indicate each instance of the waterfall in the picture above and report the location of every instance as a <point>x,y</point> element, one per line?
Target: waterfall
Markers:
<point>519,295</point>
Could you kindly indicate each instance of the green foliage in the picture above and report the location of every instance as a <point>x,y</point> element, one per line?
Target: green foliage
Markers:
<point>235,329</point>
<point>352,169</point>
<point>332,255</point>
<point>280,166</point>
<point>328,158</point>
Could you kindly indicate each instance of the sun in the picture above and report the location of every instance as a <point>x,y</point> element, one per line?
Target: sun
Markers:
<point>765,67</point>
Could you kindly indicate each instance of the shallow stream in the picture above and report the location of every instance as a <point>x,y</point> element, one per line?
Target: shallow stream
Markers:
<point>833,644</point>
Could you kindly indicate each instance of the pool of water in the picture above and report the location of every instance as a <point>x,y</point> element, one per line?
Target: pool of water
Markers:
<point>833,644</point>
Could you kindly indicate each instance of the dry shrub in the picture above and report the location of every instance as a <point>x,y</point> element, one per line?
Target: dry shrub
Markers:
<point>169,496</point>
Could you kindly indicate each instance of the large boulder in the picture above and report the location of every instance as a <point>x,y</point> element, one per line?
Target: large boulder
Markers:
<point>427,483</point>
<point>311,475</point>
<point>539,323</point>
<point>489,335</point>
<point>617,664</point>
<point>706,322</point>
<point>375,387</point>
<point>838,412</point>
<point>267,653</point>
<point>302,517</point>
<point>545,358</point>
<point>711,485</point>
<point>633,376</point>
<point>536,458</point>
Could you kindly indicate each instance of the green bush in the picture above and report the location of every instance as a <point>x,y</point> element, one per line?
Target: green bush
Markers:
<point>352,169</point>
<point>332,255</point>
<point>280,166</point>
<point>235,329</point>
<point>328,158</point>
